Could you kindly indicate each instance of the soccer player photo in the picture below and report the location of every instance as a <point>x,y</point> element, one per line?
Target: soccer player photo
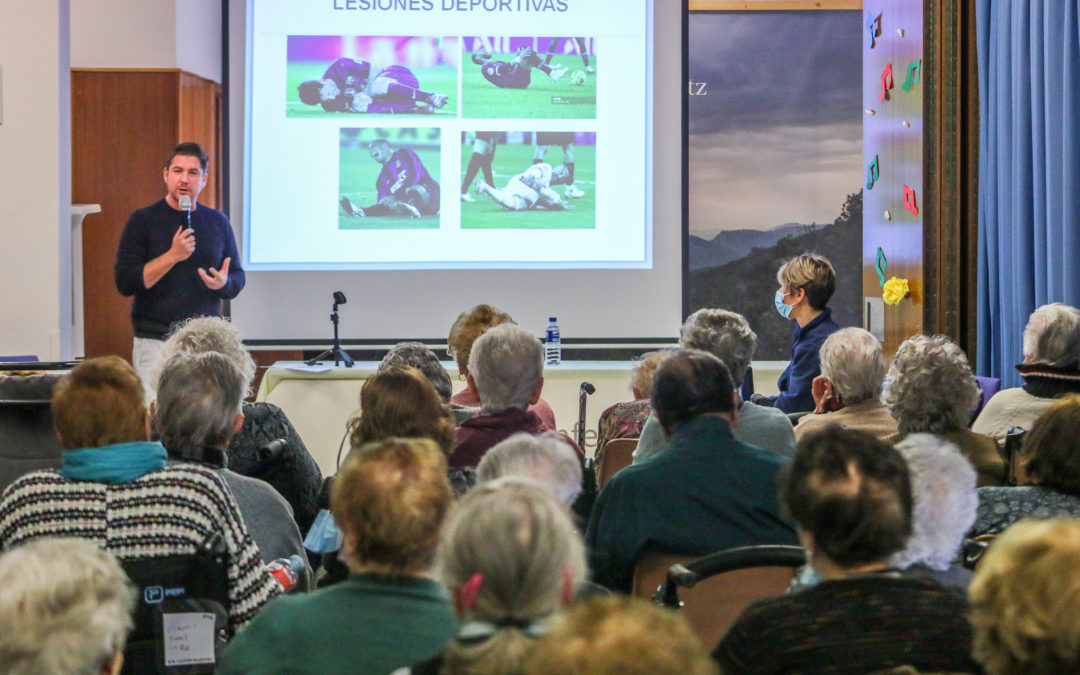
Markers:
<point>523,77</point>
<point>389,179</point>
<point>384,76</point>
<point>531,180</point>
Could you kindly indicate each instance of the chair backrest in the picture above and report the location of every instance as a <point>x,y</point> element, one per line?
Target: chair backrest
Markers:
<point>716,600</point>
<point>618,454</point>
<point>988,386</point>
<point>181,611</point>
<point>27,439</point>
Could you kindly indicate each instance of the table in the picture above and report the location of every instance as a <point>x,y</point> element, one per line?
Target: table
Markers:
<point>320,400</point>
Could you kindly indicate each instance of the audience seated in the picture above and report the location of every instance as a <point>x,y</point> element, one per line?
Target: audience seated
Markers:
<point>506,368</point>
<point>727,336</point>
<point>1051,369</point>
<point>294,474</point>
<point>401,402</point>
<point>67,609</point>
<point>547,458</point>
<point>619,635</point>
<point>463,333</point>
<point>419,356</point>
<point>930,389</point>
<point>1024,600</point>
<point>115,488</point>
<point>850,496</point>
<point>390,499</point>
<point>196,412</point>
<point>706,492</point>
<point>807,282</point>
<point>510,556</point>
<point>626,420</point>
<point>943,489</point>
<point>1051,456</point>
<point>849,388</point>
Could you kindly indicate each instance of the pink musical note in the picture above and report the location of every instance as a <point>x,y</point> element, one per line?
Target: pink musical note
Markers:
<point>909,200</point>
<point>886,82</point>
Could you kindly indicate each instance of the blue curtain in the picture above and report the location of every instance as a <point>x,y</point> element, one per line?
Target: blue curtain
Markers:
<point>1029,170</point>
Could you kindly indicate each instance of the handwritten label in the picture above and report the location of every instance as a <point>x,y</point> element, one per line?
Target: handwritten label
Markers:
<point>189,638</point>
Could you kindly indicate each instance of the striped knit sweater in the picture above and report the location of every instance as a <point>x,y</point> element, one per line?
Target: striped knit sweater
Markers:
<point>162,513</point>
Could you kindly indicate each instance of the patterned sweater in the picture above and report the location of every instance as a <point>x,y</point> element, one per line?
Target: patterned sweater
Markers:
<point>162,513</point>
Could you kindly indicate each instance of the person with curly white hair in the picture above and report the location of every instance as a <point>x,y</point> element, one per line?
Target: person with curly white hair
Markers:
<point>930,389</point>
<point>945,501</point>
<point>66,609</point>
<point>1051,369</point>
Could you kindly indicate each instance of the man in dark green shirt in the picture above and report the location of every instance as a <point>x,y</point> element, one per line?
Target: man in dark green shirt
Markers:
<point>707,492</point>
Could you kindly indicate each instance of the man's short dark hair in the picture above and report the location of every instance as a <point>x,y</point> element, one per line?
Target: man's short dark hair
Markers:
<point>852,492</point>
<point>688,384</point>
<point>310,92</point>
<point>189,150</point>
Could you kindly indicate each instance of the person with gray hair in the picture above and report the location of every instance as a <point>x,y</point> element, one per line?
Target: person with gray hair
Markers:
<point>197,411</point>
<point>67,609</point>
<point>945,502</point>
<point>419,356</point>
<point>1051,369</point>
<point>510,557</point>
<point>930,389</point>
<point>293,472</point>
<point>546,458</point>
<point>727,336</point>
<point>847,391</point>
<point>506,368</point>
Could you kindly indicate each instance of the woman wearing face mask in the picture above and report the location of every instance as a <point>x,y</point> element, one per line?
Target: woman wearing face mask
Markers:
<point>806,284</point>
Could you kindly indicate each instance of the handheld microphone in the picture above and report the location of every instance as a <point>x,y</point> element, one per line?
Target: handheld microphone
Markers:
<point>185,205</point>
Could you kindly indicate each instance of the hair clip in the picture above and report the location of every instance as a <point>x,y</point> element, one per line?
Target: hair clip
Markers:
<point>471,591</point>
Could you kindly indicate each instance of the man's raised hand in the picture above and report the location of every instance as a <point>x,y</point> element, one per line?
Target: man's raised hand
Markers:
<point>216,278</point>
<point>183,244</point>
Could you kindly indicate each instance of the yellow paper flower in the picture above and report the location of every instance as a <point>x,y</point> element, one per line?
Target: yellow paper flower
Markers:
<point>894,290</point>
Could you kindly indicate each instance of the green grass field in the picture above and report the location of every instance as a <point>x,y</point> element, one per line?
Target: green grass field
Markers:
<point>511,160</point>
<point>480,98</point>
<point>439,79</point>
<point>358,172</point>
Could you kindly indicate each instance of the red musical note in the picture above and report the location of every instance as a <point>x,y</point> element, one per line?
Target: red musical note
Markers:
<point>886,82</point>
<point>909,200</point>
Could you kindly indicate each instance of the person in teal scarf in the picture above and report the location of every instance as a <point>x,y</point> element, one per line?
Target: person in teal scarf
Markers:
<point>115,489</point>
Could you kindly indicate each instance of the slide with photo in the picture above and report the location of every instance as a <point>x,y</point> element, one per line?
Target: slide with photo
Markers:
<point>480,137</point>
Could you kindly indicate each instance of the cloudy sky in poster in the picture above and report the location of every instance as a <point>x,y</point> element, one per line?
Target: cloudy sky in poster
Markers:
<point>776,136</point>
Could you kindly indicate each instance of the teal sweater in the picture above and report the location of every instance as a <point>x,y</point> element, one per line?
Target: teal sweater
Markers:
<point>366,624</point>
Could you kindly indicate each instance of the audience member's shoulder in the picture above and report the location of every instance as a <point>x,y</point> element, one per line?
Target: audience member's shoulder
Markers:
<point>33,481</point>
<point>254,486</point>
<point>185,475</point>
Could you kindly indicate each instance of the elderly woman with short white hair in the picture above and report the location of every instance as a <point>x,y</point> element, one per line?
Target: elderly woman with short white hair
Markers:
<point>930,389</point>
<point>848,389</point>
<point>945,502</point>
<point>1051,369</point>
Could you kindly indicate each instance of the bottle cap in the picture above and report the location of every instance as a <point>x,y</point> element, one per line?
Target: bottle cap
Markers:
<point>551,319</point>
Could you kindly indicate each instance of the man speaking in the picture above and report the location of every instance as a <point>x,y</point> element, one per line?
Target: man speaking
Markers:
<point>177,257</point>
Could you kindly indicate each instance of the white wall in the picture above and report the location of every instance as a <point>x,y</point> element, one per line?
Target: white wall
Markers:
<point>147,34</point>
<point>35,179</point>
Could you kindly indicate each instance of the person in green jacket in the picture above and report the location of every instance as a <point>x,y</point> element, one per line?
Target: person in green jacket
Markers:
<point>389,499</point>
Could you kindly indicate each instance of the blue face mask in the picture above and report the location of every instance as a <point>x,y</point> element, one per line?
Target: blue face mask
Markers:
<point>781,308</point>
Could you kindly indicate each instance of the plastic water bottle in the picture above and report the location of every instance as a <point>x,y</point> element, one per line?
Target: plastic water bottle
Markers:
<point>553,343</point>
<point>287,571</point>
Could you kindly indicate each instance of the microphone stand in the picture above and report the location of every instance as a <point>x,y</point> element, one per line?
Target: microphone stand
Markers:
<point>335,349</point>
